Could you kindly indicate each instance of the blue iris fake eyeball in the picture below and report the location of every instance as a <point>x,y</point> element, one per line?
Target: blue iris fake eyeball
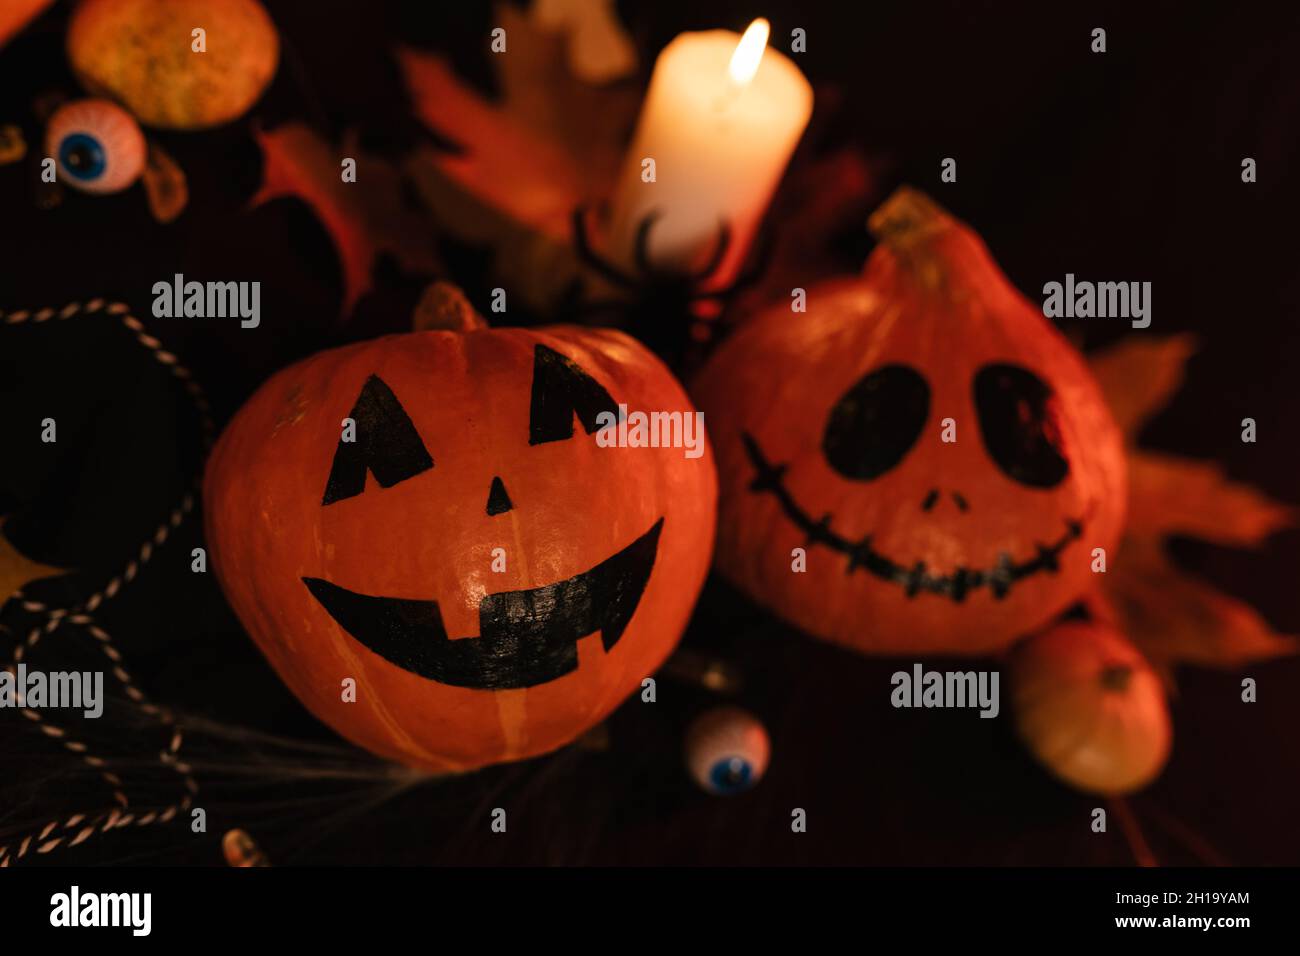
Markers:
<point>731,775</point>
<point>82,156</point>
<point>727,750</point>
<point>96,145</point>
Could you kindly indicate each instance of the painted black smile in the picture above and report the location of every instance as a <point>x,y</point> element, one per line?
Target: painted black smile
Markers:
<point>914,579</point>
<point>525,637</point>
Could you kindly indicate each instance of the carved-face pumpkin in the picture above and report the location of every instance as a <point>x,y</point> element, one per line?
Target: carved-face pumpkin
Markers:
<point>493,580</point>
<point>830,427</point>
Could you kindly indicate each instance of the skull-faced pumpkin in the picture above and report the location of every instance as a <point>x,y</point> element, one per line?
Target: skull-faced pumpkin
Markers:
<point>432,516</point>
<point>935,447</point>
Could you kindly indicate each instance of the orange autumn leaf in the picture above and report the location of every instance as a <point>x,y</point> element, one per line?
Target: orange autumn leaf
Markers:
<point>550,142</point>
<point>1139,378</point>
<point>16,14</point>
<point>1176,617</point>
<point>17,570</point>
<point>598,48</point>
<point>538,267</point>
<point>504,165</point>
<point>364,219</point>
<point>1173,616</point>
<point>1179,496</point>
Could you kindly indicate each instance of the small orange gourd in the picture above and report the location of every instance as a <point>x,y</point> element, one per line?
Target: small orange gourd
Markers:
<point>1090,708</point>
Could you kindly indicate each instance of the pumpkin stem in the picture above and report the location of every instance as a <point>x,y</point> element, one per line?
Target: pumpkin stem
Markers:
<point>443,307</point>
<point>908,217</point>
<point>909,225</point>
<point>1116,677</point>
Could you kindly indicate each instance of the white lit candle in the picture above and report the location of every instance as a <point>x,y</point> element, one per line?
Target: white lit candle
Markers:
<point>721,118</point>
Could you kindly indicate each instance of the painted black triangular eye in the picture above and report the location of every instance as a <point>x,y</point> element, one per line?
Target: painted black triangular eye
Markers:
<point>387,445</point>
<point>1018,419</point>
<point>560,389</point>
<point>876,422</point>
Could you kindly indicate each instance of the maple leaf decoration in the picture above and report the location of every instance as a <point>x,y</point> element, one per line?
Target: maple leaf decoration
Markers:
<point>16,14</point>
<point>1173,616</point>
<point>551,143</point>
<point>17,571</point>
<point>364,218</point>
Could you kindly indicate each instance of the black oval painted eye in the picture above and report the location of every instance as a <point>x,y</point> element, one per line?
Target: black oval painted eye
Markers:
<point>1018,414</point>
<point>876,422</point>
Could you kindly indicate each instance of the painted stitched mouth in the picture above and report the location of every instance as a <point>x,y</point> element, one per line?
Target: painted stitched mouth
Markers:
<point>916,578</point>
<point>525,637</point>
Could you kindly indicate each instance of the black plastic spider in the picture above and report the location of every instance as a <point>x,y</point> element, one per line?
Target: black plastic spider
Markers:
<point>670,311</point>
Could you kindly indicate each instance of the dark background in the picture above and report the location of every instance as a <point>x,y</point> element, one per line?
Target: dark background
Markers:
<point>1124,165</point>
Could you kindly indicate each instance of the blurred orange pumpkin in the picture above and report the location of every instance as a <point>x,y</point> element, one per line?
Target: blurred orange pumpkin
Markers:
<point>459,556</point>
<point>922,441</point>
<point>1090,708</point>
<point>141,53</point>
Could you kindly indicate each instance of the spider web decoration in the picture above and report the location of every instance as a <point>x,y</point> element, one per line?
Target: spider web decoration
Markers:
<point>233,758</point>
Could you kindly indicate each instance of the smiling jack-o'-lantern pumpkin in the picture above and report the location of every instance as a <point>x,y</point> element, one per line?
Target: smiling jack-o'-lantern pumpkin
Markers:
<point>493,580</point>
<point>935,447</point>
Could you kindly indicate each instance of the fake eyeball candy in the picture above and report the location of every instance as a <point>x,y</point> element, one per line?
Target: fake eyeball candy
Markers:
<point>727,750</point>
<point>96,145</point>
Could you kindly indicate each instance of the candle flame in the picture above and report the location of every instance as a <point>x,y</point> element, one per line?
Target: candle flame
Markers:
<point>749,52</point>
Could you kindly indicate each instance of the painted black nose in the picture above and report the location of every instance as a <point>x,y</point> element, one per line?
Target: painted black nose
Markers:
<point>932,498</point>
<point>498,500</point>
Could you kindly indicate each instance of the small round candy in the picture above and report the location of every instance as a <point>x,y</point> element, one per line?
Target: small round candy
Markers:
<point>96,145</point>
<point>142,54</point>
<point>727,750</point>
